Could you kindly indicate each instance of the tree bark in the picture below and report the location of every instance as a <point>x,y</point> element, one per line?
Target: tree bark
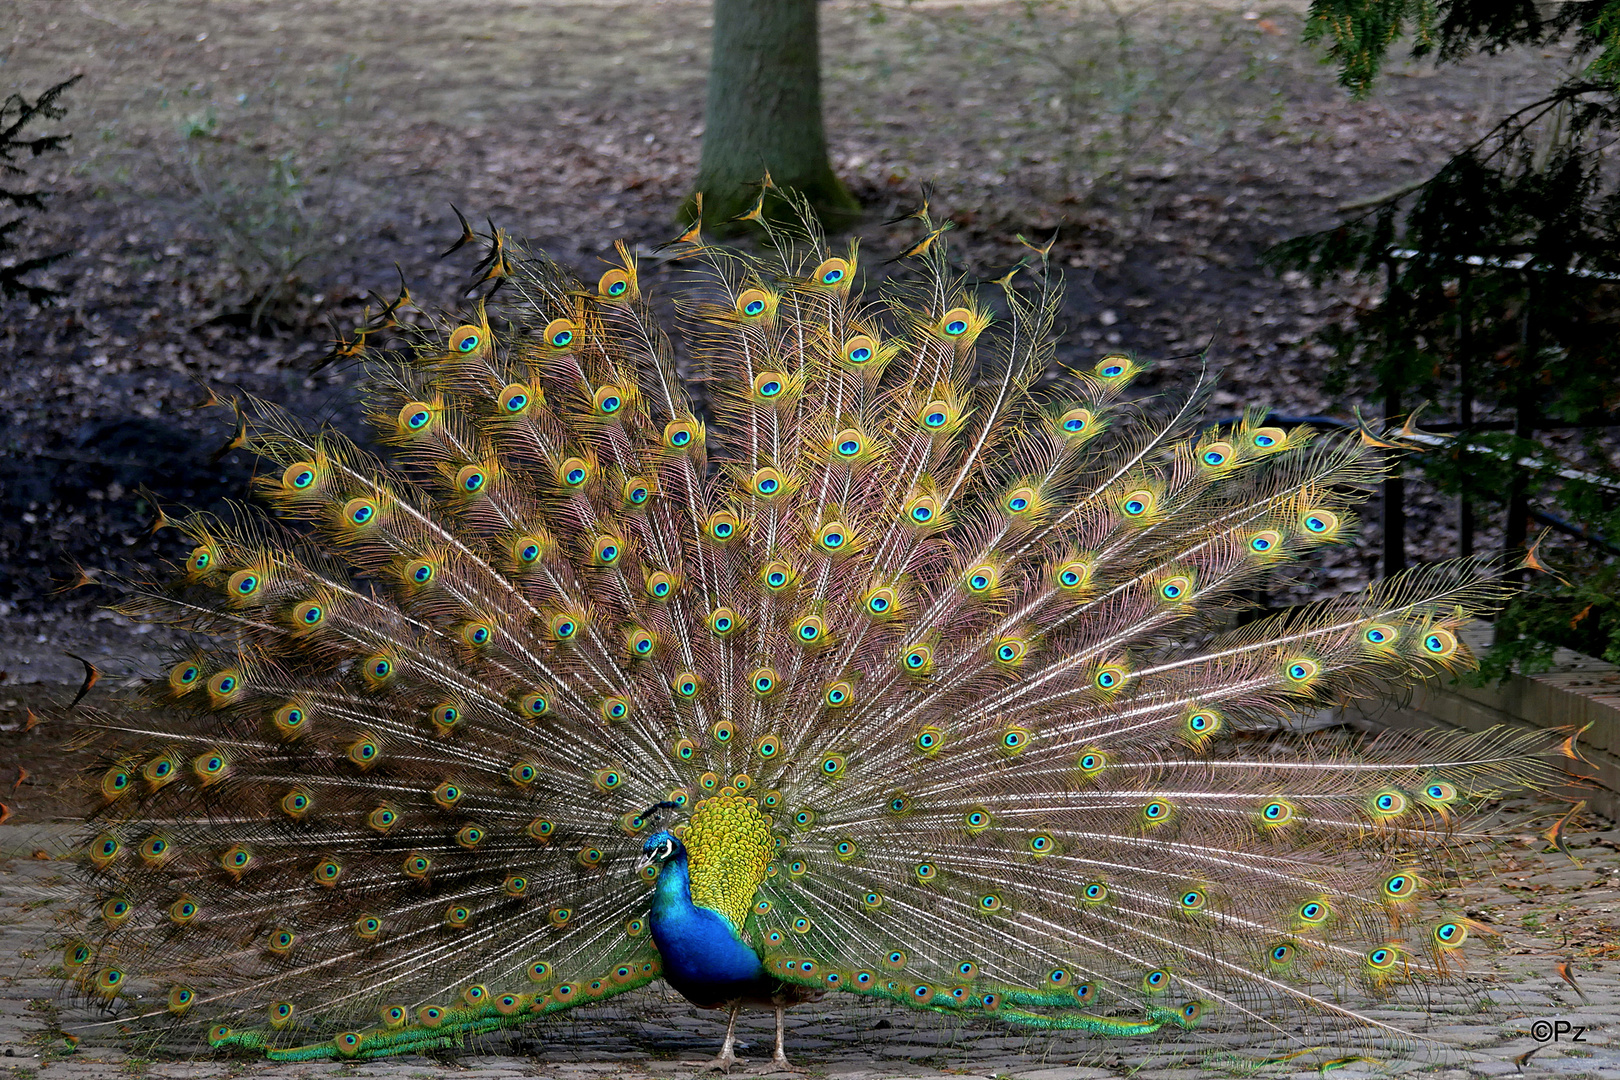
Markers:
<point>764,113</point>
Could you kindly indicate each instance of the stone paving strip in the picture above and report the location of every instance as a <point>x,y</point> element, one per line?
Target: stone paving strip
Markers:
<point>1545,907</point>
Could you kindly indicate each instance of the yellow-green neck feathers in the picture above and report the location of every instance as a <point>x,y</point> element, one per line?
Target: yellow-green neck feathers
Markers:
<point>728,846</point>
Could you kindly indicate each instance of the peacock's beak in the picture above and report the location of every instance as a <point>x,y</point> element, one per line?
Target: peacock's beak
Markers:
<point>645,861</point>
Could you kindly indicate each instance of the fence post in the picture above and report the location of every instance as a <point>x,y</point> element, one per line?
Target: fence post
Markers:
<point>1524,415</point>
<point>1465,409</point>
<point>1394,483</point>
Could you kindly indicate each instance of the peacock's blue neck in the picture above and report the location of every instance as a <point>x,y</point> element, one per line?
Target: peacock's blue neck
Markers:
<point>703,956</point>
<point>672,892</point>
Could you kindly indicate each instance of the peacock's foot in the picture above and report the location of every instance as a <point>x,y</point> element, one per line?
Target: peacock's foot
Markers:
<point>722,1063</point>
<point>780,1065</point>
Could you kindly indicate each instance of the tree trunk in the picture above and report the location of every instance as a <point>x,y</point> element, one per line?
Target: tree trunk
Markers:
<point>764,113</point>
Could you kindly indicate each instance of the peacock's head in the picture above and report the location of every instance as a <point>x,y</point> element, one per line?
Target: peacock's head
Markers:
<point>659,849</point>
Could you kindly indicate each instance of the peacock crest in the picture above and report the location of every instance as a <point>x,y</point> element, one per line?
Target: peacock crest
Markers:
<point>935,665</point>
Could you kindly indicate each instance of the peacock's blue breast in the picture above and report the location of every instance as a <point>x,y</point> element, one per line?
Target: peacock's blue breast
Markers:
<point>703,958</point>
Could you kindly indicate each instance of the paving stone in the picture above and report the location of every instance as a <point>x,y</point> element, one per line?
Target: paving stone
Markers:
<point>1488,1021</point>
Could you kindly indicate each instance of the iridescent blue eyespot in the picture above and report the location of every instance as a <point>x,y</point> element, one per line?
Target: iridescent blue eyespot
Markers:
<point>754,307</point>
<point>1112,371</point>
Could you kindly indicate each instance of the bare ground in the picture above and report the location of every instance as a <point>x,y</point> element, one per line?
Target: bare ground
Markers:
<point>1167,151</point>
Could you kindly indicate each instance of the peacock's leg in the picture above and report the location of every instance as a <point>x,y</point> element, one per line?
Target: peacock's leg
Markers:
<point>727,1057</point>
<point>780,1057</point>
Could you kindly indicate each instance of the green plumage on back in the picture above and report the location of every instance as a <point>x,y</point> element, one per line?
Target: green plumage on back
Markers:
<point>934,665</point>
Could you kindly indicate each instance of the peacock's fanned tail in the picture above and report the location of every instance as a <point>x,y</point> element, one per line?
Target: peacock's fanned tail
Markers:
<point>962,639</point>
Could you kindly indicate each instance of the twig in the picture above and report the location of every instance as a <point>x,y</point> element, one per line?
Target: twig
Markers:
<point>1379,200</point>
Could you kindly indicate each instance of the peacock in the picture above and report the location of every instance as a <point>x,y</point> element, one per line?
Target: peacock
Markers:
<point>862,660</point>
